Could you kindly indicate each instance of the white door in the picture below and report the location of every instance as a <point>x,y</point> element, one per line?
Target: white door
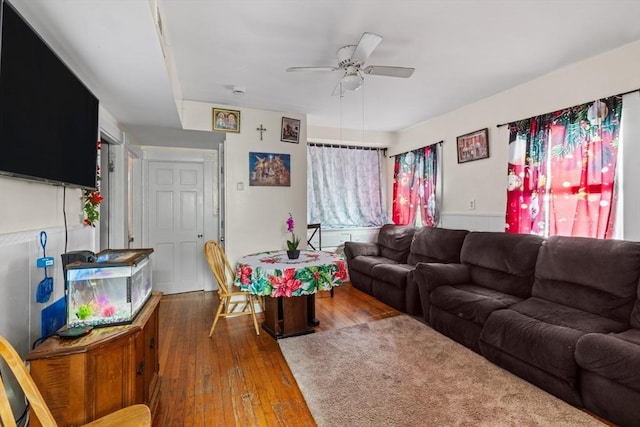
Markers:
<point>176,204</point>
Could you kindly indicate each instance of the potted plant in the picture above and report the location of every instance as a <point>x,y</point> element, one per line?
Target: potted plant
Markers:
<point>292,245</point>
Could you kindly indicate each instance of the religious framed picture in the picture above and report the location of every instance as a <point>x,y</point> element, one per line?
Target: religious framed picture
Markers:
<point>226,120</point>
<point>473,146</point>
<point>269,169</point>
<point>290,130</point>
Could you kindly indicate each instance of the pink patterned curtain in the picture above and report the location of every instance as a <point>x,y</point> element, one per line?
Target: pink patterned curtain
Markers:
<point>414,186</point>
<point>561,173</point>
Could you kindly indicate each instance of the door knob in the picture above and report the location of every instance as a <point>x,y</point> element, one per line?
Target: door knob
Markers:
<point>199,236</point>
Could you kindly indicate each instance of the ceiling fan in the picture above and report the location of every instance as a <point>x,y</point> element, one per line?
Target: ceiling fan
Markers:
<point>351,60</point>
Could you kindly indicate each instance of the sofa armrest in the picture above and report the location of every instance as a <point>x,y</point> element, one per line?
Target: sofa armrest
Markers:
<point>612,356</point>
<point>431,275</point>
<point>354,249</point>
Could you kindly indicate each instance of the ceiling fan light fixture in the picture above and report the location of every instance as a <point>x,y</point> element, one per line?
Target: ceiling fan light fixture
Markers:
<point>351,81</point>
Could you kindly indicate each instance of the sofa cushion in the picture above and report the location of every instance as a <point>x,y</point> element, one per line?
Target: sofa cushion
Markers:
<point>392,274</point>
<point>365,264</point>
<point>470,302</point>
<point>593,275</point>
<point>436,245</point>
<point>395,241</point>
<point>630,335</point>
<point>635,313</point>
<point>613,356</point>
<point>500,261</point>
<point>567,317</point>
<point>545,346</point>
<point>543,334</point>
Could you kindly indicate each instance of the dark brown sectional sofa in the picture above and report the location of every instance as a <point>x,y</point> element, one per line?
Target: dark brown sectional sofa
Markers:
<point>562,312</point>
<point>385,269</point>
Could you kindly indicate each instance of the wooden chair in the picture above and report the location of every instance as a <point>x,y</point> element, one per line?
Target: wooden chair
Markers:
<point>134,415</point>
<point>225,276</point>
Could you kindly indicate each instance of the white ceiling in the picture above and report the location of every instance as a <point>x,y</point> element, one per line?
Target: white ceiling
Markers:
<point>462,50</point>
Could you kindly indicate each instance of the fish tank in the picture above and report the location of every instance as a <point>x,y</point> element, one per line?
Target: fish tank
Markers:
<point>110,291</point>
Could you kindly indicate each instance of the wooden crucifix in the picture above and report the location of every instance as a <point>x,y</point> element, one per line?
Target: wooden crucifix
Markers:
<point>261,129</point>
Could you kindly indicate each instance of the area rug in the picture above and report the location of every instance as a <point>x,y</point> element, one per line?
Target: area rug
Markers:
<point>400,372</point>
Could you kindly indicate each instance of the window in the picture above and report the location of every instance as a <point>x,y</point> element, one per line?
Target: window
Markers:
<point>562,171</point>
<point>415,180</point>
<point>345,186</point>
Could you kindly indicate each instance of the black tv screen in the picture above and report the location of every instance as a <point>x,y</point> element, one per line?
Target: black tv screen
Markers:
<point>48,117</point>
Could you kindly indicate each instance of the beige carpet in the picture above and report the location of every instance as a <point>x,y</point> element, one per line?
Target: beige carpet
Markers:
<point>400,372</point>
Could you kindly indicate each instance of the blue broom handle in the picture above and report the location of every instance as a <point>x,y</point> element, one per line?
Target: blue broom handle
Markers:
<point>43,243</point>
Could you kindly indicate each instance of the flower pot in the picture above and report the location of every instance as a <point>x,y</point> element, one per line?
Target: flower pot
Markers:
<point>293,254</point>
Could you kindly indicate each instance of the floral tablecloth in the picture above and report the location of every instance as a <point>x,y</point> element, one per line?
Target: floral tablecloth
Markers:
<point>274,274</point>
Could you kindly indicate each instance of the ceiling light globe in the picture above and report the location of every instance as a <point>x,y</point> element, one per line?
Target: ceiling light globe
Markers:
<point>351,82</point>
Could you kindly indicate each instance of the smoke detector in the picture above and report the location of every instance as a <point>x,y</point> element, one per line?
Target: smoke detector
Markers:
<point>238,90</point>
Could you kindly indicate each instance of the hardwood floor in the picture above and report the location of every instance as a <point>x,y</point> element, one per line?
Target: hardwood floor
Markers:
<point>237,378</point>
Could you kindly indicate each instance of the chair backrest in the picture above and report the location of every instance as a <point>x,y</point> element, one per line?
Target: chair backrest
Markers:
<point>31,392</point>
<point>219,265</point>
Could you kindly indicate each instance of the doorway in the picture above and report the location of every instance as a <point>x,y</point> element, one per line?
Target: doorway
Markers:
<point>107,165</point>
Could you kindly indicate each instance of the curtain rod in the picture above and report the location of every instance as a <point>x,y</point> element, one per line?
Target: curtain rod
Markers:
<point>350,147</point>
<point>620,94</point>
<point>400,154</point>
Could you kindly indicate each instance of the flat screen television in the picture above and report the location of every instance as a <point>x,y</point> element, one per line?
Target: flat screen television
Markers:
<point>48,117</point>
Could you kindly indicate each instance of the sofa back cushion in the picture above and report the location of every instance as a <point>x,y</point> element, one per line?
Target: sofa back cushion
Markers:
<point>635,313</point>
<point>501,261</point>
<point>594,275</point>
<point>436,245</point>
<point>394,241</point>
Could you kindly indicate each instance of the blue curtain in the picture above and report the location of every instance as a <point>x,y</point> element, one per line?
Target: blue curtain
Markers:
<point>344,187</point>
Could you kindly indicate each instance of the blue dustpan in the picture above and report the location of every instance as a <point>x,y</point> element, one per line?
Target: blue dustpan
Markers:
<point>45,287</point>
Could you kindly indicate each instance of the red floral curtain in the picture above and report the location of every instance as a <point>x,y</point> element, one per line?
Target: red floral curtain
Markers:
<point>414,186</point>
<point>561,173</point>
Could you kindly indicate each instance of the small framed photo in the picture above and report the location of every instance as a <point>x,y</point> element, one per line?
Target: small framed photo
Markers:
<point>226,120</point>
<point>473,146</point>
<point>290,130</point>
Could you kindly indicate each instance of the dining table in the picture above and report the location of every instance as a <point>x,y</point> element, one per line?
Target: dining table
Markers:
<point>289,286</point>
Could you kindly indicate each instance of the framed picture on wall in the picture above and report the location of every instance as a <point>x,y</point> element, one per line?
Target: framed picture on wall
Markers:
<point>290,130</point>
<point>473,146</point>
<point>269,169</point>
<point>226,120</point>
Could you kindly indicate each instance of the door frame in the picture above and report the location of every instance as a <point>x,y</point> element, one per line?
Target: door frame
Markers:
<point>208,159</point>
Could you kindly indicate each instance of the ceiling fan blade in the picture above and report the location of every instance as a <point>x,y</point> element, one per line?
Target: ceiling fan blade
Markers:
<point>380,70</point>
<point>368,42</point>
<point>312,69</point>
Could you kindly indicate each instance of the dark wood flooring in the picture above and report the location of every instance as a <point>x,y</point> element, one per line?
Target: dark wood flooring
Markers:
<point>237,378</point>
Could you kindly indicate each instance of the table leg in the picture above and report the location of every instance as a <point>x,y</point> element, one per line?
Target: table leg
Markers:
<point>311,310</point>
<point>273,316</point>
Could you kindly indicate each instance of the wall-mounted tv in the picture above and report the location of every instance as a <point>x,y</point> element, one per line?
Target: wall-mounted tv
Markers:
<point>48,117</point>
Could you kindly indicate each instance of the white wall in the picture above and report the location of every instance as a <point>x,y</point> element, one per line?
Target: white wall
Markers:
<point>26,208</point>
<point>25,203</point>
<point>484,181</point>
<point>255,216</point>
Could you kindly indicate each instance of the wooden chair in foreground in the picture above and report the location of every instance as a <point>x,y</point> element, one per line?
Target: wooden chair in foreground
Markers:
<point>229,299</point>
<point>133,416</point>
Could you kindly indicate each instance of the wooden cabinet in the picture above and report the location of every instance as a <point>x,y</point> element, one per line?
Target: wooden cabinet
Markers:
<point>112,367</point>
